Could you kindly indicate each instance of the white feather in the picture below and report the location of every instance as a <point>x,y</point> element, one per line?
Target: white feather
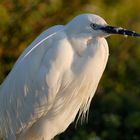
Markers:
<point>54,79</point>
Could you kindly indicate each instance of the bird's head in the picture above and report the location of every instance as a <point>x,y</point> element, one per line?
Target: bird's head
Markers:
<point>94,26</point>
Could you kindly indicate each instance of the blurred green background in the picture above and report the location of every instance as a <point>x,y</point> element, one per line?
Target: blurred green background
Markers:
<point>115,109</point>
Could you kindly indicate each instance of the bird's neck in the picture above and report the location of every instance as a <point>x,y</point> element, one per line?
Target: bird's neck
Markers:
<point>79,43</point>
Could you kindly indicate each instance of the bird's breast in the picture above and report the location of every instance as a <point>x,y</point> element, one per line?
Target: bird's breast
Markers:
<point>92,59</point>
<point>81,80</point>
<point>78,85</point>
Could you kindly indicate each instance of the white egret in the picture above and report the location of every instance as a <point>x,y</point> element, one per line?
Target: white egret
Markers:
<point>55,78</point>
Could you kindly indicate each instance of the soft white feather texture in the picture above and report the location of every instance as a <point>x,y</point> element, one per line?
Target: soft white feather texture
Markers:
<point>54,79</point>
<point>19,93</point>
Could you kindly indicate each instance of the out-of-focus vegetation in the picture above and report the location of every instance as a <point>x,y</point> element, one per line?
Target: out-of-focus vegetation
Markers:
<point>115,110</point>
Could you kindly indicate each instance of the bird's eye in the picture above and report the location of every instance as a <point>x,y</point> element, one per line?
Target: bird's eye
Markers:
<point>93,26</point>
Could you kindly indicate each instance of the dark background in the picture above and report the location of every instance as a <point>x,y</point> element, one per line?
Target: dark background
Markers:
<point>115,109</point>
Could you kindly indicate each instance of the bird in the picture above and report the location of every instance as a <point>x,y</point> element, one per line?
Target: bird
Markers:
<point>55,78</point>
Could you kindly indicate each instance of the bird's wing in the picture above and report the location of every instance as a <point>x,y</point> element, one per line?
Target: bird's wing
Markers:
<point>30,88</point>
<point>43,37</point>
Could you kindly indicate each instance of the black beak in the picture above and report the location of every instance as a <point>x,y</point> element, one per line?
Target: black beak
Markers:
<point>118,30</point>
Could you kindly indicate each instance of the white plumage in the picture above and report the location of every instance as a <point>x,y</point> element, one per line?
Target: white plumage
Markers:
<point>53,79</point>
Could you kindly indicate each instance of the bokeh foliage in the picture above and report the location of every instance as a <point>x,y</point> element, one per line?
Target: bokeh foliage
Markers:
<point>115,109</point>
